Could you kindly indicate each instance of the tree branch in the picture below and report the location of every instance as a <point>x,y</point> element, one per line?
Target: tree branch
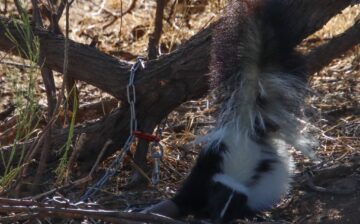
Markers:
<point>324,54</point>
<point>305,17</point>
<point>154,38</point>
<point>110,74</point>
<point>166,82</point>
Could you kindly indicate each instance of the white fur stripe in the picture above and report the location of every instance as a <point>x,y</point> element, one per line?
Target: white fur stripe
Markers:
<point>231,183</point>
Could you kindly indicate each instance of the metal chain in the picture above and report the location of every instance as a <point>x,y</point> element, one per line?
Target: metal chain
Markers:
<point>131,94</point>
<point>115,165</point>
<point>157,153</point>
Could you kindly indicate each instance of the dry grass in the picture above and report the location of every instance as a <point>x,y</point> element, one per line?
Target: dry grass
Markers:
<point>333,108</point>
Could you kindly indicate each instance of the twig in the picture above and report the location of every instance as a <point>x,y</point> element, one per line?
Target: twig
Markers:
<point>36,17</point>
<point>114,19</point>
<point>50,89</point>
<point>172,10</point>
<point>43,160</point>
<point>18,65</point>
<point>16,217</point>
<point>46,73</point>
<point>49,83</point>
<point>77,182</point>
<point>54,14</point>
<point>68,80</point>
<point>310,183</point>
<point>79,145</point>
<point>33,151</point>
<point>44,210</point>
<point>106,145</point>
<point>60,10</point>
<point>312,186</point>
<point>117,15</point>
<point>141,171</point>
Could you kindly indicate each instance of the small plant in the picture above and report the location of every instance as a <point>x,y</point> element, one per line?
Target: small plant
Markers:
<point>25,94</point>
<point>61,171</point>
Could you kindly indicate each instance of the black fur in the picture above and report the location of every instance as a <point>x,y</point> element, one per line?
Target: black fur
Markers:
<point>237,207</point>
<point>236,27</point>
<point>202,197</point>
<point>251,41</point>
<point>193,196</point>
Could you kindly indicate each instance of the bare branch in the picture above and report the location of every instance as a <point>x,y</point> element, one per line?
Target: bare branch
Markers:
<point>49,83</point>
<point>324,54</point>
<point>121,14</point>
<point>304,17</point>
<point>45,152</point>
<point>182,73</point>
<point>60,10</point>
<point>155,36</point>
<point>189,63</point>
<point>36,17</point>
<point>117,16</point>
<point>46,73</point>
<point>68,80</point>
<point>43,210</point>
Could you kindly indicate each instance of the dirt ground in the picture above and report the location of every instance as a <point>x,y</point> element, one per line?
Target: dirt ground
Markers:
<point>324,191</point>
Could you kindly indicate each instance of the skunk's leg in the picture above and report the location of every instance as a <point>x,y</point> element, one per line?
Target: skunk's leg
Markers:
<point>193,196</point>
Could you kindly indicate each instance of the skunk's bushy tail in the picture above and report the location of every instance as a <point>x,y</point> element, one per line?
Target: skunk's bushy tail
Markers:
<point>260,76</point>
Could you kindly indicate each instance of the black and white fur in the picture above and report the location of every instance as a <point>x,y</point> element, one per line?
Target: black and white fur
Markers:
<point>245,167</point>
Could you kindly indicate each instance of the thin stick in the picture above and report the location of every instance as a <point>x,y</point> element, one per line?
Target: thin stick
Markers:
<point>70,82</point>
<point>60,10</point>
<point>69,211</point>
<point>78,182</point>
<point>36,17</point>
<point>79,145</point>
<point>17,217</point>
<point>118,15</point>
<point>141,171</point>
<point>106,145</point>
<point>43,160</point>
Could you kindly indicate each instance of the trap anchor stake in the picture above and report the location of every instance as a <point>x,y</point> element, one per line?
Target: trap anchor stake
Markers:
<point>156,150</point>
<point>117,163</point>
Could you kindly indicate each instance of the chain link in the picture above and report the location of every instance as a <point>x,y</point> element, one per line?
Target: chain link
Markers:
<point>131,94</point>
<point>157,153</point>
<point>116,164</point>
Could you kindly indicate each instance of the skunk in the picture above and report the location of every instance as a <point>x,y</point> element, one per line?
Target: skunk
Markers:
<point>244,167</point>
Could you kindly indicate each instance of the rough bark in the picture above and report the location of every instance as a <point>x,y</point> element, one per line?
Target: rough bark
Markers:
<point>166,82</point>
<point>324,54</point>
<point>304,17</point>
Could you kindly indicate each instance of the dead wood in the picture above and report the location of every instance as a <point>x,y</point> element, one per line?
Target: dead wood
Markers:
<point>68,210</point>
<point>51,96</point>
<point>49,83</point>
<point>304,17</point>
<point>168,81</point>
<point>154,38</point>
<point>324,54</point>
